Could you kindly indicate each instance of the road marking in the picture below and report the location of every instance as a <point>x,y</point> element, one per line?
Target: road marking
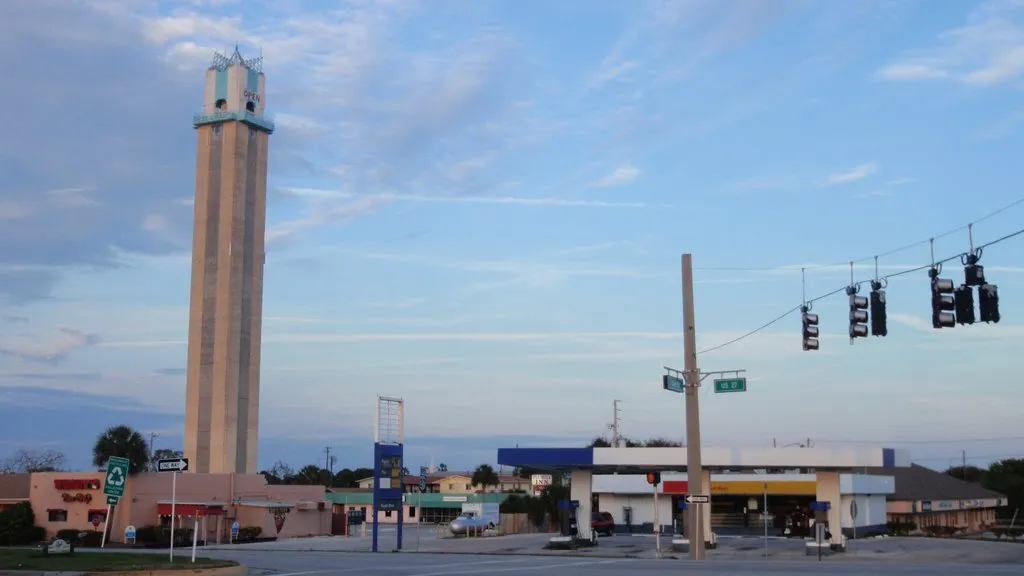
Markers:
<point>524,568</point>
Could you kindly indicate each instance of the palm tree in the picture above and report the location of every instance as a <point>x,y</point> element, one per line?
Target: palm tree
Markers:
<point>125,442</point>
<point>485,476</point>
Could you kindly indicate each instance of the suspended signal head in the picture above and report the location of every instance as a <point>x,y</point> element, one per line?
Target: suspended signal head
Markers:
<point>810,328</point>
<point>988,302</point>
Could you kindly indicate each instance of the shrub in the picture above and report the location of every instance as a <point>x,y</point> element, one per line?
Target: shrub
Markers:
<point>897,528</point>
<point>514,504</point>
<point>69,535</point>
<point>150,535</point>
<point>18,526</point>
<point>249,533</point>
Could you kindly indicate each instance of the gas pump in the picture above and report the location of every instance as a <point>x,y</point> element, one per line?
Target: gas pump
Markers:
<point>822,536</point>
<point>570,524</point>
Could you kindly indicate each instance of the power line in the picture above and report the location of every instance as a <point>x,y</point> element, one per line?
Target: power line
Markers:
<point>871,258</point>
<point>951,441</point>
<point>843,288</point>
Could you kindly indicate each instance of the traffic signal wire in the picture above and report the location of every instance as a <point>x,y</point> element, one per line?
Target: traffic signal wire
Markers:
<point>868,259</point>
<point>785,314</point>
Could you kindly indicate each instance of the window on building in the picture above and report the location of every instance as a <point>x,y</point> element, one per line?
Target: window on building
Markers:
<point>469,487</point>
<point>387,513</point>
<point>451,486</point>
<point>412,511</point>
<point>58,515</point>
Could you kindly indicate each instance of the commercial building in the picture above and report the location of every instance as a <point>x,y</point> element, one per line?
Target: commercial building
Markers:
<point>865,487</point>
<point>739,501</point>
<point>75,500</point>
<point>457,482</point>
<point>226,309</point>
<point>929,498</point>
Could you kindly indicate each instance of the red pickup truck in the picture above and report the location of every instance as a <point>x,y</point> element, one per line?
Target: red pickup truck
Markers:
<point>603,523</point>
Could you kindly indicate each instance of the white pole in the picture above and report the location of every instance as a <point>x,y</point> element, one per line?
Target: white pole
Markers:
<point>174,495</point>
<point>419,519</point>
<point>195,536</point>
<point>106,522</point>
<point>657,524</point>
<point>765,516</point>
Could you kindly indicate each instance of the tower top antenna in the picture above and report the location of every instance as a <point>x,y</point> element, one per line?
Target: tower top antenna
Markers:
<point>222,61</point>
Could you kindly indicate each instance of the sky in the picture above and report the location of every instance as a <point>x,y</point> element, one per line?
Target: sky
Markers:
<point>480,207</point>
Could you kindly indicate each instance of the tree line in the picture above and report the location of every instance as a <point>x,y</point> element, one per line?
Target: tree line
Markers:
<point>120,441</point>
<point>1005,477</point>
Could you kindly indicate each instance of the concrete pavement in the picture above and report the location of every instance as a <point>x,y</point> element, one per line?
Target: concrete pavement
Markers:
<point>922,550</point>
<point>290,563</point>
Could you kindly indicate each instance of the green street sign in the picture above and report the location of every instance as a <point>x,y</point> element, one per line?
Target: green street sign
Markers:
<point>730,385</point>
<point>117,476</point>
<point>112,500</point>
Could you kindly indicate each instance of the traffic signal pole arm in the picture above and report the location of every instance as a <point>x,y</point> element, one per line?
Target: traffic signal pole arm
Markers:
<point>701,376</point>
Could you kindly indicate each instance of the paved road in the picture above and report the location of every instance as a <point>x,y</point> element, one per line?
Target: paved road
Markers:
<point>288,563</point>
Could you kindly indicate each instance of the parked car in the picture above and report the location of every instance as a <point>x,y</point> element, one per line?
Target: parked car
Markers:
<point>469,522</point>
<point>603,523</point>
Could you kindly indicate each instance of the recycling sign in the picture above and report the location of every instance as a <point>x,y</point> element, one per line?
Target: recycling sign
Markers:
<point>117,476</point>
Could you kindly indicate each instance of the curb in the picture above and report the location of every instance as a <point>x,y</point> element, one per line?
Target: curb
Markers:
<point>228,571</point>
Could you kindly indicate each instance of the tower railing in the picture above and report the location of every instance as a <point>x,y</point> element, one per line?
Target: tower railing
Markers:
<point>260,121</point>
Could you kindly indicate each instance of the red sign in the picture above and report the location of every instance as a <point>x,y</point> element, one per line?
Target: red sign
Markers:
<point>77,484</point>
<point>80,497</point>
<point>675,487</point>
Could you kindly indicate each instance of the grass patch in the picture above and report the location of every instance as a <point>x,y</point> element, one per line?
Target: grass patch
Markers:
<point>80,561</point>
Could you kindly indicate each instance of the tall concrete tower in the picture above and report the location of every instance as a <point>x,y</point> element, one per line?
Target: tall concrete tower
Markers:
<point>225,318</point>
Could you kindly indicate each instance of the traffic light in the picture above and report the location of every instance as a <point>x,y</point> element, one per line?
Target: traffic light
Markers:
<point>964,298</point>
<point>654,478</point>
<point>974,273</point>
<point>988,302</point>
<point>942,301</point>
<point>858,313</point>
<point>878,318</point>
<point>810,328</point>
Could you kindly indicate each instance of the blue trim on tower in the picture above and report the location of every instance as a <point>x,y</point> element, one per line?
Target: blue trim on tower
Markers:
<point>253,80</point>
<point>220,89</point>
<point>888,458</point>
<point>546,458</point>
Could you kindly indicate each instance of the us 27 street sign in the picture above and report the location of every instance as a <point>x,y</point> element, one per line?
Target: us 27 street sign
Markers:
<point>172,465</point>
<point>730,385</point>
<point>117,476</point>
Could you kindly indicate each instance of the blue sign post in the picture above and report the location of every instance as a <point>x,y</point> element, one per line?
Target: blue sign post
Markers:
<point>388,482</point>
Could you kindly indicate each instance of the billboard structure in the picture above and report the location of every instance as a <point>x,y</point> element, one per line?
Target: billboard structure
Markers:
<point>388,463</point>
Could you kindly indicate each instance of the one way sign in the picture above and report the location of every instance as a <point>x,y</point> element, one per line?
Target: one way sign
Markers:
<point>698,498</point>
<point>172,465</point>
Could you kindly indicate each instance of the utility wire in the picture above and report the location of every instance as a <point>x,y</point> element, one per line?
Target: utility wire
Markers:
<point>843,288</point>
<point>871,258</point>
<point>951,441</point>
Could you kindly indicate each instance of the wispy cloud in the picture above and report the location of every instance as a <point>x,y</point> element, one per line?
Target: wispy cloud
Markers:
<point>49,350</point>
<point>988,49</point>
<point>885,189</point>
<point>619,177</point>
<point>319,338</point>
<point>379,199</point>
<point>853,175</point>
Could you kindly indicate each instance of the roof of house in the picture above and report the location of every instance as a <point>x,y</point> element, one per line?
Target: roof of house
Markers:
<point>920,483</point>
<point>15,486</point>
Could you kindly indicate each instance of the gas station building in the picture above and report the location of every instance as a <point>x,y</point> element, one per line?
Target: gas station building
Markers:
<point>592,470</point>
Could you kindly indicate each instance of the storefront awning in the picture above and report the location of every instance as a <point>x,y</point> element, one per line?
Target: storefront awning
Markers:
<point>190,508</point>
<point>102,511</point>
